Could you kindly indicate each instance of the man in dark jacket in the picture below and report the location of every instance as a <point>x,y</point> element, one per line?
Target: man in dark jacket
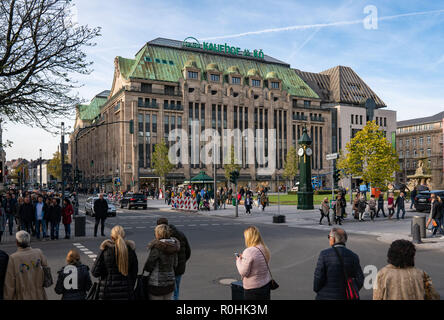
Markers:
<point>9,206</point>
<point>400,205</point>
<point>54,216</point>
<point>436,214</point>
<point>183,254</point>
<point>4,258</point>
<point>27,215</point>
<point>329,282</point>
<point>412,197</point>
<point>100,212</point>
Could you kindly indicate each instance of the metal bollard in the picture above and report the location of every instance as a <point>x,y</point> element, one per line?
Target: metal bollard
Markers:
<point>416,234</point>
<point>79,226</point>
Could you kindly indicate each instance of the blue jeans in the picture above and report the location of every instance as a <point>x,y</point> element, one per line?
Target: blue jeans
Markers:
<point>54,230</point>
<point>39,223</point>
<point>177,287</point>
<point>397,212</point>
<point>10,219</point>
<point>67,230</point>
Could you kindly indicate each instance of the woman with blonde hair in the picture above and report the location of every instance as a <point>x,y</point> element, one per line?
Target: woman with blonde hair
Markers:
<point>161,261</point>
<point>84,283</point>
<point>252,265</point>
<point>117,267</point>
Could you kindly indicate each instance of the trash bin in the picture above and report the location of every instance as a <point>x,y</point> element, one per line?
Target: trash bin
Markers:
<point>237,290</point>
<point>79,225</point>
<point>421,221</point>
<point>279,218</point>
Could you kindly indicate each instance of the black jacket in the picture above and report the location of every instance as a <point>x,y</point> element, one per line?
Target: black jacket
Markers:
<point>55,214</point>
<point>381,202</point>
<point>4,258</point>
<point>84,283</point>
<point>101,208</point>
<point>329,282</point>
<point>436,210</point>
<point>26,212</point>
<point>113,285</point>
<point>399,202</point>
<point>184,253</point>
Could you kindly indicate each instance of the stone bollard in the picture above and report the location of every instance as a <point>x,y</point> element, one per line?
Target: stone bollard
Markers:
<point>416,234</point>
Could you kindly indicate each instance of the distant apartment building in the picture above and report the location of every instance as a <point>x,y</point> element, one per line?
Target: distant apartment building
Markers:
<point>421,139</point>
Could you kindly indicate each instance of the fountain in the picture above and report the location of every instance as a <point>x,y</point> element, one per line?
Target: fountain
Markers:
<point>419,178</point>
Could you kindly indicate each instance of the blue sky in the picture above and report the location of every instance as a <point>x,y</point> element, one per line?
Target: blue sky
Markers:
<point>402,60</point>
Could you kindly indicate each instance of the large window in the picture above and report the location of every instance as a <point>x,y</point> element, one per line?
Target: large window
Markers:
<point>193,74</point>
<point>429,152</point>
<point>255,83</point>
<point>429,140</point>
<point>274,85</point>
<point>235,80</point>
<point>307,103</point>
<point>215,77</point>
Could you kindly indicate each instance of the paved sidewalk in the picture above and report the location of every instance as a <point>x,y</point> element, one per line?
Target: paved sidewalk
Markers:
<point>386,230</point>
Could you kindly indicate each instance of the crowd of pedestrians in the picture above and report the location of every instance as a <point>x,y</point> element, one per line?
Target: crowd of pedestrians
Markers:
<point>38,213</point>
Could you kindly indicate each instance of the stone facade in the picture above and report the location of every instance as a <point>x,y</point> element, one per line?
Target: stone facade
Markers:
<point>421,139</point>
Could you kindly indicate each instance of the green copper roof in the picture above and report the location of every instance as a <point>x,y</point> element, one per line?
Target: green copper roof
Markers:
<point>90,111</point>
<point>166,64</point>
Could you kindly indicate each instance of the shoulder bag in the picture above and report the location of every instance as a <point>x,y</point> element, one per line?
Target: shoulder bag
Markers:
<point>93,293</point>
<point>141,288</point>
<point>47,277</point>
<point>274,285</point>
<point>351,290</point>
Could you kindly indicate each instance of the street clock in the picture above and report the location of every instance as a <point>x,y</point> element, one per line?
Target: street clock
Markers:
<point>301,152</point>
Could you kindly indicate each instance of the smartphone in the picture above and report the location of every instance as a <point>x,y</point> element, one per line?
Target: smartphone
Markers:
<point>237,255</point>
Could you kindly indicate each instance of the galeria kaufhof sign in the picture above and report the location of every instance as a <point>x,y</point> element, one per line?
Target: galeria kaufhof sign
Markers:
<point>222,48</point>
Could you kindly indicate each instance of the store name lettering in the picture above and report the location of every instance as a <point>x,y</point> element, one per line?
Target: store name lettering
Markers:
<point>223,48</point>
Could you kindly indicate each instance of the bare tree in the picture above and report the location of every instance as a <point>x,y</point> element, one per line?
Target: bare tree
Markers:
<point>40,51</point>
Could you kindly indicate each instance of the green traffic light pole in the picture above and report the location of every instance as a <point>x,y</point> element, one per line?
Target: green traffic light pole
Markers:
<point>76,180</point>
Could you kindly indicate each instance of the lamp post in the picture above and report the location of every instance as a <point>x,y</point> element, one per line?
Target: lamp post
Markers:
<point>40,154</point>
<point>62,157</point>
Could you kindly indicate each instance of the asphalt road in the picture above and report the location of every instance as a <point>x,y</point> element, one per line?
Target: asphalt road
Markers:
<point>213,242</point>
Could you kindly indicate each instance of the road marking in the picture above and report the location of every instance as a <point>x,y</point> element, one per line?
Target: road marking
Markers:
<point>140,227</point>
<point>77,244</point>
<point>180,225</point>
<point>215,224</point>
<point>204,224</point>
<point>92,256</point>
<point>84,249</point>
<point>88,252</point>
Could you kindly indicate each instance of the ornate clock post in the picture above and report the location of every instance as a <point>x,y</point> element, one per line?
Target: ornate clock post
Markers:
<point>305,190</point>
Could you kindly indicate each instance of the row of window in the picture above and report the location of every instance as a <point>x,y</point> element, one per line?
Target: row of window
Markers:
<point>416,128</point>
<point>415,154</point>
<point>420,140</point>
<point>379,121</point>
<point>355,117</point>
<point>157,60</point>
<point>152,103</point>
<point>413,164</point>
<point>234,80</point>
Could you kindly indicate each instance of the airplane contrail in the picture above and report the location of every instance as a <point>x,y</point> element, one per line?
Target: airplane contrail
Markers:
<point>320,25</point>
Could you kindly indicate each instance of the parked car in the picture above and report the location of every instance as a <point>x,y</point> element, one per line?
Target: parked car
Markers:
<point>89,207</point>
<point>423,199</point>
<point>131,200</point>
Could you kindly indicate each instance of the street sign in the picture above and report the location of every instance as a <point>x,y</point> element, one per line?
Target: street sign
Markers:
<point>332,156</point>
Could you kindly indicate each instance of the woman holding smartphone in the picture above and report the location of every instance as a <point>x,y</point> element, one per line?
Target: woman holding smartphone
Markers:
<point>252,265</point>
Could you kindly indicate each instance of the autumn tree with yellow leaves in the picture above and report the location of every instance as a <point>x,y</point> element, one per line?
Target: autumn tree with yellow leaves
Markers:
<point>370,156</point>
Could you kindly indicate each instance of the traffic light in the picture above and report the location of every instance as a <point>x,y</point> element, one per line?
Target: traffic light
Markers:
<point>336,178</point>
<point>234,175</point>
<point>131,126</point>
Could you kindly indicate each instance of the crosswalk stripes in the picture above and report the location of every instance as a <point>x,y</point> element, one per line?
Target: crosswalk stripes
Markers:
<point>85,250</point>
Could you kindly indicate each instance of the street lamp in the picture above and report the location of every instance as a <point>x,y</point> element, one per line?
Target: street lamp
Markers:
<point>40,153</point>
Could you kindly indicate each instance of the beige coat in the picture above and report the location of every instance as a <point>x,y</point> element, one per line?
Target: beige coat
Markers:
<point>24,275</point>
<point>394,283</point>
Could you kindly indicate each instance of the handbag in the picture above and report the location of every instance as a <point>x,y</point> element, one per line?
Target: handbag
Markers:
<point>351,290</point>
<point>93,293</point>
<point>47,277</point>
<point>273,285</point>
<point>434,223</point>
<point>141,288</point>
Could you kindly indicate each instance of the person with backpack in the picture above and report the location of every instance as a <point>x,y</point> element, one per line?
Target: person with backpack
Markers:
<point>335,266</point>
<point>83,278</point>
